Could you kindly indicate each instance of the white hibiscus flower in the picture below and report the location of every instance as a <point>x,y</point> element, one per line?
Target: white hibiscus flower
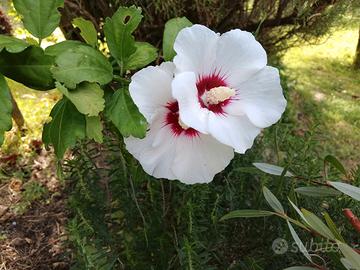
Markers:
<point>224,87</point>
<point>170,149</point>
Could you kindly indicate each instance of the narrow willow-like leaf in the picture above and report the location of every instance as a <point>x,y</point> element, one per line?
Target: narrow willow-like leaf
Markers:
<point>298,241</point>
<point>30,67</point>
<point>317,191</point>
<point>82,64</point>
<point>336,163</point>
<point>40,17</point>
<point>145,54</point>
<point>273,201</point>
<point>332,227</point>
<point>352,257</point>
<point>247,213</point>
<point>172,29</point>
<point>272,169</point>
<point>5,108</point>
<point>94,128</point>
<point>11,44</point>
<point>124,114</point>
<point>118,32</point>
<point>317,225</point>
<point>87,30</point>
<point>66,127</point>
<point>88,98</point>
<point>350,190</point>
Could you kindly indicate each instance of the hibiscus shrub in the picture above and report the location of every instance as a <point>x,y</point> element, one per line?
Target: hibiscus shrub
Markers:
<point>131,132</point>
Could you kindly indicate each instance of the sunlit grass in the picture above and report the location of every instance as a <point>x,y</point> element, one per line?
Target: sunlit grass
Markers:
<point>325,89</point>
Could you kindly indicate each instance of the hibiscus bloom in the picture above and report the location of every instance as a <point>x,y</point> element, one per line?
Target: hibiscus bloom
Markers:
<point>224,87</point>
<point>171,149</point>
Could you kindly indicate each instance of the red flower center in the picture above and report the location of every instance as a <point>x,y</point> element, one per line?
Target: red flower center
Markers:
<point>205,84</point>
<point>172,120</point>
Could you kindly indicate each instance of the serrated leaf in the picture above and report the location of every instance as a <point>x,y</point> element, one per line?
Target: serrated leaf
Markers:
<point>66,127</point>
<point>247,213</point>
<point>352,257</point>
<point>172,29</point>
<point>272,169</point>
<point>88,98</point>
<point>317,225</point>
<point>40,17</point>
<point>30,67</point>
<point>87,30</point>
<point>124,114</point>
<point>58,48</point>
<point>118,32</point>
<point>350,190</point>
<point>298,241</point>
<point>11,44</point>
<point>145,54</point>
<point>317,191</point>
<point>273,201</point>
<point>82,64</point>
<point>332,227</point>
<point>94,128</point>
<point>5,108</point>
<point>336,163</point>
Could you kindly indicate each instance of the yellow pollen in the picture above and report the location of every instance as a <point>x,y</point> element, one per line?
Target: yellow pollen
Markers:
<point>182,124</point>
<point>219,94</point>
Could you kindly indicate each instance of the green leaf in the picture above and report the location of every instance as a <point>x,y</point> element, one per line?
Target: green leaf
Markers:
<point>317,225</point>
<point>80,64</point>
<point>172,29</point>
<point>273,201</point>
<point>272,169</point>
<point>297,210</point>
<point>145,54</point>
<point>301,268</point>
<point>298,241</point>
<point>351,256</point>
<point>11,44</point>
<point>118,32</point>
<point>66,127</point>
<point>350,190</point>
<point>317,191</point>
<point>87,30</point>
<point>88,98</point>
<point>124,114</point>
<point>30,67</point>
<point>332,227</point>
<point>40,17</point>
<point>247,213</point>
<point>58,48</point>
<point>5,108</point>
<point>94,128</point>
<point>336,163</point>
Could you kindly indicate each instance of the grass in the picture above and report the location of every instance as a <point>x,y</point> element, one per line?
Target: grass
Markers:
<point>325,92</point>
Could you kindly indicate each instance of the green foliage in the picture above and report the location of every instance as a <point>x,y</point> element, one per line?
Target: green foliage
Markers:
<point>81,64</point>
<point>58,48</point>
<point>88,98</point>
<point>87,30</point>
<point>32,191</point>
<point>118,32</point>
<point>124,114</point>
<point>145,54</point>
<point>5,108</point>
<point>94,128</point>
<point>172,28</point>
<point>30,67</point>
<point>66,127</point>
<point>11,44</point>
<point>40,17</point>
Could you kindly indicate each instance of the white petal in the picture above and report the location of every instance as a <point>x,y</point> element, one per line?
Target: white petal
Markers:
<point>150,88</point>
<point>196,48</point>
<point>260,98</point>
<point>191,113</point>
<point>199,159</point>
<point>239,56</point>
<point>156,151</point>
<point>235,131</point>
